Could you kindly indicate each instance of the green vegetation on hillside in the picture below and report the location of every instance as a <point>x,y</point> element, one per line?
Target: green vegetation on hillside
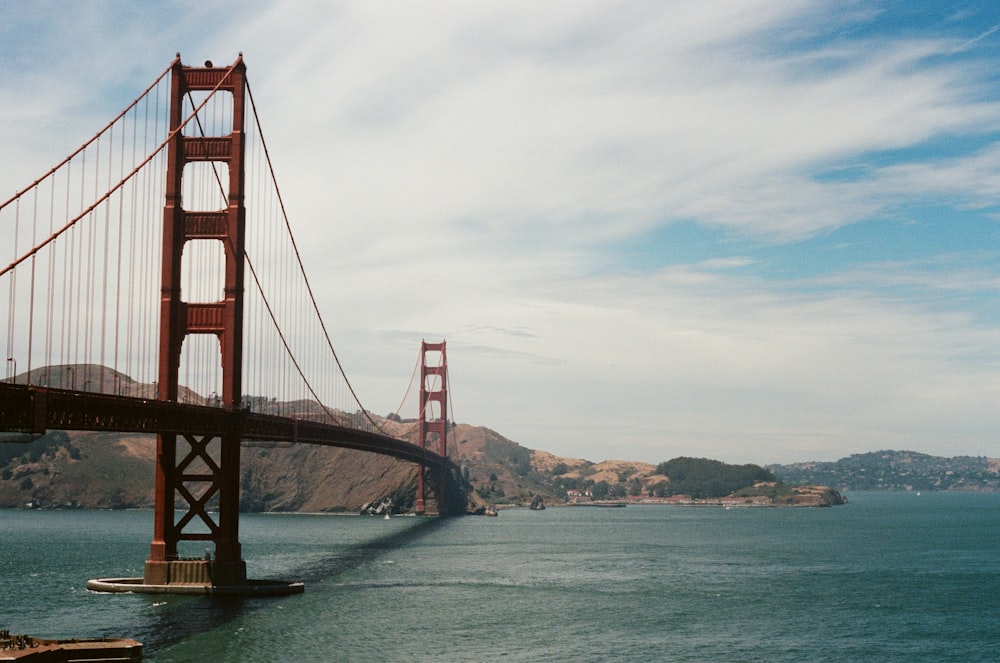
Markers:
<point>897,470</point>
<point>599,490</point>
<point>504,474</point>
<point>17,453</point>
<point>702,478</point>
<point>78,469</point>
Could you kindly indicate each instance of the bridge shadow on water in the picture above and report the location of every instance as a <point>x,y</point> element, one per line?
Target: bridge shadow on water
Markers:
<point>178,617</point>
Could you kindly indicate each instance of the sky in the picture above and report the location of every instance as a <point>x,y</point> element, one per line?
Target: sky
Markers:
<point>755,231</point>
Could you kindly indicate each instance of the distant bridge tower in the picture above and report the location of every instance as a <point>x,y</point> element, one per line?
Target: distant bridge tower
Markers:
<point>196,467</point>
<point>432,429</point>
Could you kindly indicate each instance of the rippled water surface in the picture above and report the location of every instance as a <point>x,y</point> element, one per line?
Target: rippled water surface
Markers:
<point>889,577</point>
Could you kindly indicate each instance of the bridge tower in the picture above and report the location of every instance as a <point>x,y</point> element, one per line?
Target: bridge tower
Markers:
<point>432,431</point>
<point>201,467</point>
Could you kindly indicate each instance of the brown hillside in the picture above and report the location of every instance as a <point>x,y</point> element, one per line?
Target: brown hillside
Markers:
<point>102,470</point>
<point>106,470</point>
<point>315,479</point>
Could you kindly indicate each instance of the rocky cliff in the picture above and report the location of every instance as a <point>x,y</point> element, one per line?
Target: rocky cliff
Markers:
<point>102,470</point>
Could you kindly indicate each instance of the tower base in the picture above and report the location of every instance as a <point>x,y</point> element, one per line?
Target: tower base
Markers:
<point>250,588</point>
<point>195,572</point>
<point>196,576</point>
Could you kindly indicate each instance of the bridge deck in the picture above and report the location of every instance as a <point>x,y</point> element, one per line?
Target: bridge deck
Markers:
<point>35,410</point>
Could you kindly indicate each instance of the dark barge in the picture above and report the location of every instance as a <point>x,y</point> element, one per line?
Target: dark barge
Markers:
<point>26,649</point>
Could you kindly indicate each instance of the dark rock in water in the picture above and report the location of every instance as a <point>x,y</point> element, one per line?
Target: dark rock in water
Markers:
<point>378,507</point>
<point>484,510</point>
<point>537,504</point>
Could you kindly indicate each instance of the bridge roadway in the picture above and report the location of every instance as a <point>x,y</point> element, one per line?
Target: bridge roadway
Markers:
<point>29,409</point>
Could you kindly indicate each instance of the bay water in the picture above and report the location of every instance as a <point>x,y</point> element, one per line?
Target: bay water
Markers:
<point>887,577</point>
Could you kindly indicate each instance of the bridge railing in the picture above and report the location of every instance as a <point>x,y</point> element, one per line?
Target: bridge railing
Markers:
<point>29,409</point>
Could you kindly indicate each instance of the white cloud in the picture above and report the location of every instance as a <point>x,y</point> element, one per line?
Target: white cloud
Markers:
<point>462,170</point>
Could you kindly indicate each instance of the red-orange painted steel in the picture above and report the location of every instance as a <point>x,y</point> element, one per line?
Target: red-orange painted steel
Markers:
<point>34,410</point>
<point>429,425</point>
<point>224,319</point>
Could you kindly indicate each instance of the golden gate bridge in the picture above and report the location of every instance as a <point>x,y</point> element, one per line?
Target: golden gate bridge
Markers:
<point>155,285</point>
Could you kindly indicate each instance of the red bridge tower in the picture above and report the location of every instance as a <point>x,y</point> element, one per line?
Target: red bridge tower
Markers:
<point>218,472</point>
<point>433,423</point>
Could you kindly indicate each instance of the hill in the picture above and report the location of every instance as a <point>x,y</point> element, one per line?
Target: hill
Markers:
<point>97,470</point>
<point>702,478</point>
<point>102,470</point>
<point>897,470</point>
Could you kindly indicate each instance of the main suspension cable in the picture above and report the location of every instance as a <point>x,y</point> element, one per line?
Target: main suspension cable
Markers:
<point>298,258</point>
<point>113,189</point>
<point>260,288</point>
<point>96,136</point>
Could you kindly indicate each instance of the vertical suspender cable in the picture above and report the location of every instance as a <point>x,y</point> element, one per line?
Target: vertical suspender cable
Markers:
<point>84,147</point>
<point>67,303</point>
<point>137,220</point>
<point>104,273</point>
<point>118,262</point>
<point>312,297</point>
<point>76,277</point>
<point>31,295</point>
<point>53,256</point>
<point>64,328</point>
<point>69,282</point>
<point>12,296</point>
